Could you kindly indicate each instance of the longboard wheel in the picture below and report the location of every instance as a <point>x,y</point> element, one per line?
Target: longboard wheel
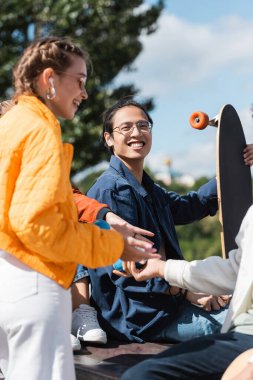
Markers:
<point>199,120</point>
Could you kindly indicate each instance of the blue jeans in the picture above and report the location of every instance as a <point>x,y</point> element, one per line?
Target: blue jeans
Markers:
<point>191,322</point>
<point>81,272</point>
<point>204,358</point>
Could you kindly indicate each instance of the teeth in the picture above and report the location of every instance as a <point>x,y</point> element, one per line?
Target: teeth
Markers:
<point>137,145</point>
<point>77,103</point>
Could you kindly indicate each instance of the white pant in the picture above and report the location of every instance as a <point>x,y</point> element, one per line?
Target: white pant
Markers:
<point>35,323</point>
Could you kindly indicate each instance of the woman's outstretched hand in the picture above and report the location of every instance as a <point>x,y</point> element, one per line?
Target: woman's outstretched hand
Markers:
<point>137,250</point>
<point>126,229</point>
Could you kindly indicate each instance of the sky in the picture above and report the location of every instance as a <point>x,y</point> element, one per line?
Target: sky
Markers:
<point>200,58</point>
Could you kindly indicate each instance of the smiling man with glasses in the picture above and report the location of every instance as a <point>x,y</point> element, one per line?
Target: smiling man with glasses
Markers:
<point>151,310</point>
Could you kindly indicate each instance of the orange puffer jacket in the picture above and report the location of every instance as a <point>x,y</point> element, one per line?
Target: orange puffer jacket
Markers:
<point>38,217</point>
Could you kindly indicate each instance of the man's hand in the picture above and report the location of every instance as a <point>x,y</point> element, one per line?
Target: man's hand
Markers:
<point>248,155</point>
<point>154,267</point>
<point>208,302</point>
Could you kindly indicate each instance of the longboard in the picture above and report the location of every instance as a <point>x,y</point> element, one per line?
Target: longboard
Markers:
<point>234,183</point>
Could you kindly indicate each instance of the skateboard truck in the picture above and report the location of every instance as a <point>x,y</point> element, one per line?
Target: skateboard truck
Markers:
<point>200,120</point>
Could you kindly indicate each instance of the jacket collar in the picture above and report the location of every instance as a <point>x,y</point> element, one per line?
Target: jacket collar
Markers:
<point>123,171</point>
<point>37,105</point>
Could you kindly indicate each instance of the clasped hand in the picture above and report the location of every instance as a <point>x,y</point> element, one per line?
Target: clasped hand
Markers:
<point>155,268</point>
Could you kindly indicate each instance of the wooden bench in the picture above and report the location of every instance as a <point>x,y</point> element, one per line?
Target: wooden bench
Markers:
<point>108,362</point>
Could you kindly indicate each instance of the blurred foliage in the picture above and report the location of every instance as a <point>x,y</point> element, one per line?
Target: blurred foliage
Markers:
<point>109,29</point>
<point>88,181</point>
<point>200,239</point>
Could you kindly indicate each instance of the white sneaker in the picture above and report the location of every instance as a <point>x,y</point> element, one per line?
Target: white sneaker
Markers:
<point>85,325</point>
<point>75,343</point>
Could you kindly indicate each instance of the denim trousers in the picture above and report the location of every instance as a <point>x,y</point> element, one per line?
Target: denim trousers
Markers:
<point>204,358</point>
<point>191,322</point>
<point>35,322</point>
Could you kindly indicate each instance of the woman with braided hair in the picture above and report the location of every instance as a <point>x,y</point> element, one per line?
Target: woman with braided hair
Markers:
<point>41,240</point>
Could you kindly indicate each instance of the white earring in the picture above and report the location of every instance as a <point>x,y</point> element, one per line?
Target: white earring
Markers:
<point>51,92</point>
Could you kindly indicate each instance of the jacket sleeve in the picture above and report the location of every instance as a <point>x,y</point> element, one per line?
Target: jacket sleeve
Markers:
<point>213,275</point>
<point>195,205</point>
<point>88,209</point>
<point>42,212</point>
<point>121,201</point>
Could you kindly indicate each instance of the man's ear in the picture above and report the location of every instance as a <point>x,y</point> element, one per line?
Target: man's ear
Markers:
<point>108,139</point>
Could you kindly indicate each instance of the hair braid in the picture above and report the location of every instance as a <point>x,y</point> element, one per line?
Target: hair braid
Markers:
<point>51,52</point>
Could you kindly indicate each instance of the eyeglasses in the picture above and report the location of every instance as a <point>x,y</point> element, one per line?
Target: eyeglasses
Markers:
<point>81,79</point>
<point>127,128</point>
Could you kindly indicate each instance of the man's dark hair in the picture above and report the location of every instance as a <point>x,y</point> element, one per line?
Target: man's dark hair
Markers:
<point>110,112</point>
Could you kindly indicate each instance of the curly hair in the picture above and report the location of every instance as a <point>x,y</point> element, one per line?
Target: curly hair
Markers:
<point>47,52</point>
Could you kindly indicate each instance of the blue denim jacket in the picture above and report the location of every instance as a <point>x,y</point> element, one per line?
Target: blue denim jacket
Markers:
<point>129,310</point>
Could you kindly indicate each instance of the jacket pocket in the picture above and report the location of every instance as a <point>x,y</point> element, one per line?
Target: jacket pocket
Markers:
<point>17,281</point>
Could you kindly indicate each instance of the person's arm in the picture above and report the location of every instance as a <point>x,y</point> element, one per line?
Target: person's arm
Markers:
<point>198,204</point>
<point>213,275</point>
<point>89,210</point>
<point>245,374</point>
<point>125,228</point>
<point>124,215</point>
<point>195,205</point>
<point>36,214</point>
<point>207,301</point>
<point>241,367</point>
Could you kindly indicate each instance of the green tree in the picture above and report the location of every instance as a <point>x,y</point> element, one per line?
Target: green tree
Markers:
<point>200,239</point>
<point>109,29</point>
